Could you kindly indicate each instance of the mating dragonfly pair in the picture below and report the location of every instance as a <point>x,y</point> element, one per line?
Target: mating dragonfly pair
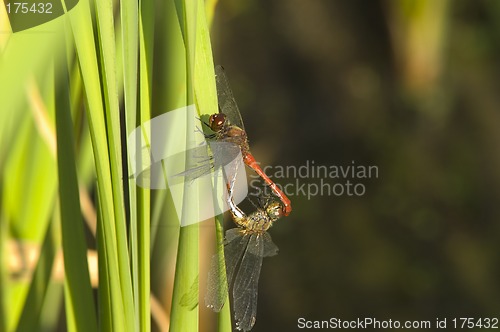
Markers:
<point>246,245</point>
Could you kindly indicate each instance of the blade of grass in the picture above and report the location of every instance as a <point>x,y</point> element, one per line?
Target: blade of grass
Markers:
<point>51,308</point>
<point>78,292</point>
<point>104,290</point>
<point>201,90</point>
<point>3,271</point>
<point>170,95</point>
<point>143,248</point>
<point>204,84</point>
<point>81,24</point>
<point>146,48</point>
<point>106,35</point>
<point>185,294</point>
<point>129,11</point>
<point>224,315</point>
<point>210,10</point>
<point>206,99</point>
<point>130,36</point>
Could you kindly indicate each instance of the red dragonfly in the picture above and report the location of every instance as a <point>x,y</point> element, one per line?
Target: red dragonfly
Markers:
<point>228,126</point>
<point>244,249</point>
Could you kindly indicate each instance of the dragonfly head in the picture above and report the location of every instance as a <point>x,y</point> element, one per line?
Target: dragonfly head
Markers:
<point>274,210</point>
<point>217,121</point>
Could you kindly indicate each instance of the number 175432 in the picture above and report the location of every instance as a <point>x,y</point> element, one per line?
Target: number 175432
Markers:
<point>25,8</point>
<point>470,323</point>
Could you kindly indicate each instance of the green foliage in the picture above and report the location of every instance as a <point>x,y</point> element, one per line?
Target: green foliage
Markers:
<point>62,140</point>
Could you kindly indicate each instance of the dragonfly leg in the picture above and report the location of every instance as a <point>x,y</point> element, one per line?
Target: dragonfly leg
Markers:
<point>206,124</point>
<point>208,136</point>
<point>239,217</point>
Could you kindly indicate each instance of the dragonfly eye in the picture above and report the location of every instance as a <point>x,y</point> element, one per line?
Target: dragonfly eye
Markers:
<point>274,210</point>
<point>217,121</point>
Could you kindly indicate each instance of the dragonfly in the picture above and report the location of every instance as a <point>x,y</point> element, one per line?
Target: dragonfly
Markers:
<point>244,249</point>
<point>227,126</point>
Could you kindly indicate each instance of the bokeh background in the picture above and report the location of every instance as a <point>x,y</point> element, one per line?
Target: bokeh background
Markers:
<point>409,86</point>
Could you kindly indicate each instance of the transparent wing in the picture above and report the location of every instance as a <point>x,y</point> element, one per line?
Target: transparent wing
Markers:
<point>232,234</point>
<point>198,171</point>
<point>216,284</point>
<point>246,284</point>
<point>224,152</point>
<point>221,273</point>
<point>227,104</point>
<point>270,249</point>
<point>198,162</point>
<point>202,161</point>
<point>235,245</point>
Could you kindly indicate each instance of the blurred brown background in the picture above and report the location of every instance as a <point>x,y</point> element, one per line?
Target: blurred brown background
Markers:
<point>409,86</point>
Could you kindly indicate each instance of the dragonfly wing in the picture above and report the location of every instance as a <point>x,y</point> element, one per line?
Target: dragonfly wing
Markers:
<point>246,284</point>
<point>270,249</point>
<point>221,272</point>
<point>216,284</point>
<point>193,163</point>
<point>232,234</point>
<point>235,245</point>
<point>224,152</point>
<point>201,161</point>
<point>227,104</point>
<point>196,172</point>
